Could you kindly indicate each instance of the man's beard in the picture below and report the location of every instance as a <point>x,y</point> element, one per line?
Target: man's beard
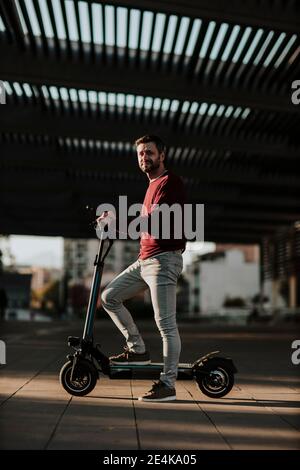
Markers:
<point>150,166</point>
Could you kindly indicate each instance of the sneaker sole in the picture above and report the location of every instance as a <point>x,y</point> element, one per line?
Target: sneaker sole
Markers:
<point>172,398</point>
<point>134,363</point>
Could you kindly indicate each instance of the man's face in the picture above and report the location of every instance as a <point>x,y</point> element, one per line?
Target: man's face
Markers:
<point>149,157</point>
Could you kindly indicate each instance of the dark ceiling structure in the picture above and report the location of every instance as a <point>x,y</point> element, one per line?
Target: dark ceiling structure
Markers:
<point>214,79</point>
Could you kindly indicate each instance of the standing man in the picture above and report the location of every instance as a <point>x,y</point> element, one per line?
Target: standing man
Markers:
<point>157,268</point>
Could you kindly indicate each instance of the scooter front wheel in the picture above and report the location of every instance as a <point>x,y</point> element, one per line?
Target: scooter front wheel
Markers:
<point>83,379</point>
<point>216,383</point>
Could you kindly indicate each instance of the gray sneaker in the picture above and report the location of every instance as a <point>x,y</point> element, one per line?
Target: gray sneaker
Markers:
<point>159,392</point>
<point>130,357</point>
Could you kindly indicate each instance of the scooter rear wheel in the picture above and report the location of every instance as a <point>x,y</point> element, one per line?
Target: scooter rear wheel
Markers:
<point>84,377</point>
<point>217,383</point>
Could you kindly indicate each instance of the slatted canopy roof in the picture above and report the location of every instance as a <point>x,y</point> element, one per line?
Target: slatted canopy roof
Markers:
<point>84,79</point>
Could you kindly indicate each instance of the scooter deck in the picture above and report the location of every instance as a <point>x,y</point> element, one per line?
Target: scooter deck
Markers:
<point>148,371</point>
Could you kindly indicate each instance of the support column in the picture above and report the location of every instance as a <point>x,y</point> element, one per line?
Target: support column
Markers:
<point>297,289</point>
<point>293,291</point>
<point>275,292</point>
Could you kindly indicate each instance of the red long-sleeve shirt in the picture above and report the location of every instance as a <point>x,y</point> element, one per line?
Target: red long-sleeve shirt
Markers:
<point>167,189</point>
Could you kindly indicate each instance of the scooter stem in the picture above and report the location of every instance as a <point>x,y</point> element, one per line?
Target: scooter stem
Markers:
<point>92,305</point>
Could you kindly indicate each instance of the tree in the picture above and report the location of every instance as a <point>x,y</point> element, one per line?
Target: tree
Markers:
<point>47,298</point>
<point>51,295</point>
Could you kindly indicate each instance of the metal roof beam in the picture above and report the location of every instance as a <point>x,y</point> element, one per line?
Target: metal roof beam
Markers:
<point>267,14</point>
<point>62,221</point>
<point>111,77</point>
<point>29,118</point>
<point>51,162</point>
<point>209,195</point>
<point>72,200</point>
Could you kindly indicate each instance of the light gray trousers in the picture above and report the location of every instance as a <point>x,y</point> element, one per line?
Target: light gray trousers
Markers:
<point>160,274</point>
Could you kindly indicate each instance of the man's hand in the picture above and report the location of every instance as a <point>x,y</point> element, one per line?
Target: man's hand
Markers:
<point>106,218</point>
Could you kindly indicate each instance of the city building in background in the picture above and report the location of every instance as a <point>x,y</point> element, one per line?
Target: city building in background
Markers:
<point>79,257</point>
<point>280,270</point>
<point>226,278</point>
<point>17,289</point>
<point>262,279</point>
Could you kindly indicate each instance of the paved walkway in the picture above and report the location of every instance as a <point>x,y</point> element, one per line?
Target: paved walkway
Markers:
<point>262,411</point>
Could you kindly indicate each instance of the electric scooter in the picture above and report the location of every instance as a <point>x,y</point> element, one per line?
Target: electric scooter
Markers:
<point>214,374</point>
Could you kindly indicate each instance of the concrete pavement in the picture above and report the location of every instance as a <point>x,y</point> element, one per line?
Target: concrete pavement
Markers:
<point>261,412</point>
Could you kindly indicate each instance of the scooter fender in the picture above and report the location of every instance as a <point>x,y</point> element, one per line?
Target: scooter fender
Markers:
<point>102,359</point>
<point>205,364</point>
<point>87,349</point>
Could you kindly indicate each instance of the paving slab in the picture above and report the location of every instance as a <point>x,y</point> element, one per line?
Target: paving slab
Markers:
<point>262,411</point>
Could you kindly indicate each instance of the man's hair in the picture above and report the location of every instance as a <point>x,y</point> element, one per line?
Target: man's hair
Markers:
<point>160,145</point>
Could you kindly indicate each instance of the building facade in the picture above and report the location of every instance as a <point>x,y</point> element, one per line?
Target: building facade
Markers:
<point>79,257</point>
<point>222,277</point>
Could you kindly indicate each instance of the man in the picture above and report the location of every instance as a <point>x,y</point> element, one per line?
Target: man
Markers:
<point>158,267</point>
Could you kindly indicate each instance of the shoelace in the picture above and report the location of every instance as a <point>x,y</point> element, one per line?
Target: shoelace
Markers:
<point>126,351</point>
<point>155,386</point>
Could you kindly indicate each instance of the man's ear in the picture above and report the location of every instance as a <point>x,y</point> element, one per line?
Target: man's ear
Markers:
<point>162,155</point>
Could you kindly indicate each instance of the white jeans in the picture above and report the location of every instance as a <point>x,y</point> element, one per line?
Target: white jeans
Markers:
<point>160,274</point>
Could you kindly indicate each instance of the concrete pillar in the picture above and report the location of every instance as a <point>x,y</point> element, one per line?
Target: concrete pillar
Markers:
<point>293,291</point>
<point>275,293</point>
<point>297,289</point>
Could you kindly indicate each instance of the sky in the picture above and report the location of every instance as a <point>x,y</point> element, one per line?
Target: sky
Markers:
<point>48,251</point>
<point>37,251</point>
